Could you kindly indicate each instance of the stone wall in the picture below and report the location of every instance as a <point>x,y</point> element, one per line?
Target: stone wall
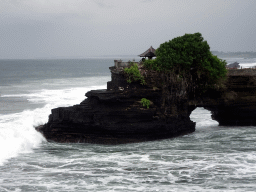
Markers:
<point>120,63</point>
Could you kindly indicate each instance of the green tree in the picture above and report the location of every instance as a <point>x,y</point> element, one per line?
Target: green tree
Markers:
<point>187,69</point>
<point>189,58</point>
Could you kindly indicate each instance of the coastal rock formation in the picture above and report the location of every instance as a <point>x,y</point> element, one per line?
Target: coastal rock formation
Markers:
<point>234,65</point>
<point>238,104</point>
<point>116,115</point>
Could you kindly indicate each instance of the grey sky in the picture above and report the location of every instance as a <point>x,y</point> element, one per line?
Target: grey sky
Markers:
<point>84,28</point>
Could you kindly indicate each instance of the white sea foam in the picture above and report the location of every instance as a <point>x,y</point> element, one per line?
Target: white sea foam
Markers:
<point>247,65</point>
<point>17,134</point>
<point>202,117</point>
<point>17,130</point>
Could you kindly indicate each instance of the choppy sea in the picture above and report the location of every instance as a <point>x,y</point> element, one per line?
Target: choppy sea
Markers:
<point>213,158</point>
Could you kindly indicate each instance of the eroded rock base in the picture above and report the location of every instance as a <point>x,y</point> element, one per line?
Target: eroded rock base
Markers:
<point>108,117</point>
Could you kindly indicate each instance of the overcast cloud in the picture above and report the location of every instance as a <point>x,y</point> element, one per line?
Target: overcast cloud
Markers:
<point>84,28</point>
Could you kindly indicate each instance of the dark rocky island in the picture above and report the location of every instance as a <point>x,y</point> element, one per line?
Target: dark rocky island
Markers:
<point>234,65</point>
<point>116,115</point>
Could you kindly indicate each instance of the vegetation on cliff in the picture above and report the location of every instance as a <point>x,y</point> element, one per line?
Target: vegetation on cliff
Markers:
<point>145,102</point>
<point>187,68</point>
<point>189,55</point>
<point>133,74</point>
<point>184,69</point>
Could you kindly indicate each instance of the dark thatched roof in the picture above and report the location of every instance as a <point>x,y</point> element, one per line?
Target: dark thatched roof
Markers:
<point>149,53</point>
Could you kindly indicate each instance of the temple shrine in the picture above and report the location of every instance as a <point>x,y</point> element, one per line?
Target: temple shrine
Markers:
<point>150,53</point>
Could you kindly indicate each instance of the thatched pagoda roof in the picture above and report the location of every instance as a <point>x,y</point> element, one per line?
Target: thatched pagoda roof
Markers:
<point>149,53</point>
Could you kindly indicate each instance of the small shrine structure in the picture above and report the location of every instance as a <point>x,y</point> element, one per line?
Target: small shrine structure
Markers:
<point>150,53</point>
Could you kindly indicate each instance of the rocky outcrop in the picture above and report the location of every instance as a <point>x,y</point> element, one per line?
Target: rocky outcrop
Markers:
<point>116,115</point>
<point>234,65</point>
<point>237,106</point>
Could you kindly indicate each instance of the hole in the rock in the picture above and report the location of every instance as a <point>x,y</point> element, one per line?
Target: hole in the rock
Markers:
<point>202,117</point>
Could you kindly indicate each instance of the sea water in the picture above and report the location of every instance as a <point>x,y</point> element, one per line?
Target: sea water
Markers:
<point>213,158</point>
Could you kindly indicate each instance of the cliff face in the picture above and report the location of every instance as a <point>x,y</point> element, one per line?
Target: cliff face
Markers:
<point>237,105</point>
<point>116,115</point>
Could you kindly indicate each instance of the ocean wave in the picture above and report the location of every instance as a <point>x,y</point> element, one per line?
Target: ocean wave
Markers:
<point>17,130</point>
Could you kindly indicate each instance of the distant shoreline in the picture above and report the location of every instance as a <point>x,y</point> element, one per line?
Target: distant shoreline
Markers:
<point>235,54</point>
<point>70,58</point>
<point>218,53</point>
